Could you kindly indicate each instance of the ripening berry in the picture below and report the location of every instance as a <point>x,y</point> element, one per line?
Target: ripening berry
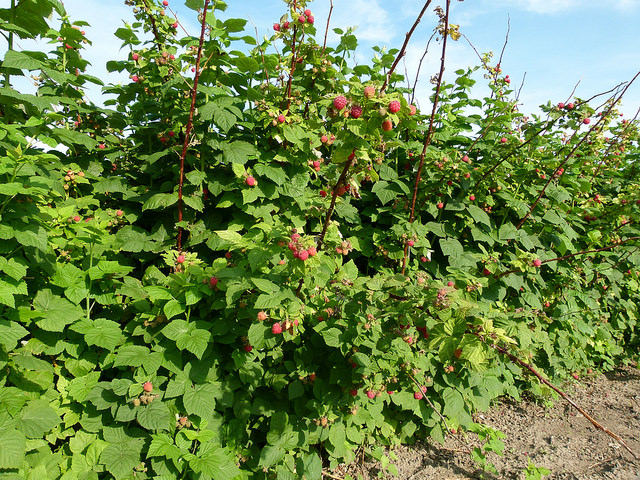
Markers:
<point>353,392</point>
<point>324,139</point>
<point>250,181</point>
<point>276,329</point>
<point>147,386</point>
<point>323,193</point>
<point>450,283</point>
<point>119,213</point>
<point>410,243</point>
<point>369,91</point>
<point>281,118</point>
<point>213,281</point>
<point>537,262</point>
<point>394,106</point>
<point>135,56</point>
<point>276,27</point>
<point>248,348</point>
<point>503,140</point>
<point>180,259</point>
<point>371,394</point>
<point>440,205</point>
<point>586,121</point>
<point>339,102</point>
<point>77,218</point>
<point>387,125</point>
<point>312,251</point>
<point>135,78</point>
<point>412,109</point>
<point>417,395</point>
<point>165,3</point>
<point>472,197</point>
<point>262,316</point>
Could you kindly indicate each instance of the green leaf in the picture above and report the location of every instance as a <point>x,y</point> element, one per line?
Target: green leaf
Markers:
<point>131,356</point>
<point>216,464</point>
<point>11,333</point>
<point>479,215</point>
<point>154,416</point>
<point>172,308</point>
<point>200,400</point>
<point>105,334</point>
<point>12,448</point>
<point>53,312</point>
<point>20,60</point>
<point>238,152</point>
<point>121,458</point>
<point>451,247</point>
<point>37,418</point>
<point>160,200</point>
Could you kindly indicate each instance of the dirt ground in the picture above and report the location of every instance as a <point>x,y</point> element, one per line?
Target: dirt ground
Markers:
<point>558,438</point>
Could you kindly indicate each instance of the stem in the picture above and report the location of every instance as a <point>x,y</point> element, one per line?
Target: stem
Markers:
<point>403,50</point>
<point>190,122</point>
<point>334,196</point>
<point>7,75</point>
<point>427,141</point>
<point>324,45</point>
<point>88,298</point>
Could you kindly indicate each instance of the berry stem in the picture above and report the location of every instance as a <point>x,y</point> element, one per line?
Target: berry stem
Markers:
<point>529,367</point>
<point>427,141</point>
<point>190,122</point>
<point>153,25</point>
<point>403,50</point>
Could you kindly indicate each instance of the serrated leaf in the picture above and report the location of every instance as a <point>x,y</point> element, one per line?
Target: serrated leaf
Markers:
<point>154,416</point>
<point>131,356</point>
<point>105,334</point>
<point>12,448</point>
<point>53,313</point>
<point>200,400</point>
<point>121,458</point>
<point>238,152</point>
<point>216,464</point>
<point>37,418</point>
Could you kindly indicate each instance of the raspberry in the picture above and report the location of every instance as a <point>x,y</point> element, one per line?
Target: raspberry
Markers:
<point>339,102</point>
<point>353,392</point>
<point>465,159</point>
<point>570,106</point>
<point>171,133</point>
<point>285,25</point>
<point>281,118</point>
<point>135,78</point>
<point>310,19</point>
<point>369,92</point>
<point>423,259</point>
<point>165,3</point>
<point>417,396</point>
<point>561,105</point>
<point>387,125</point>
<point>323,193</point>
<point>316,164</point>
<point>423,389</point>
<point>371,394</point>
<point>356,111</point>
<point>472,197</point>
<point>276,27</point>
<point>503,140</point>
<point>77,218</point>
<point>312,251</point>
<point>213,281</point>
<point>394,106</point>
<point>537,262</point>
<point>119,213</point>
<point>586,121</point>
<point>303,255</point>
<point>147,386</point>
<point>307,12</point>
<point>228,255</point>
<point>248,348</point>
<point>180,259</point>
<point>302,19</point>
<point>440,205</point>
<point>450,283</point>
<point>295,237</point>
<point>262,316</point>
<point>276,329</point>
<point>250,181</point>
<point>324,139</point>
<point>175,25</point>
<point>135,56</point>
<point>412,110</point>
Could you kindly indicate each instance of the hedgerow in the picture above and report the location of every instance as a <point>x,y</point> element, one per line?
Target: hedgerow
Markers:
<point>255,262</point>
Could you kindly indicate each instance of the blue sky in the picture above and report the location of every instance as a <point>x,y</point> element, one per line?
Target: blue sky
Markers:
<point>557,43</point>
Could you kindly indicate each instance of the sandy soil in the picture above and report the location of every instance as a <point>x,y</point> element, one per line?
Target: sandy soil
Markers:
<point>556,437</point>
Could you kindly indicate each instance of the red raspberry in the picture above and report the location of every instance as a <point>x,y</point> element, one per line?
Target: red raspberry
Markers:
<point>570,106</point>
<point>285,25</point>
<point>250,181</point>
<point>324,139</point>
<point>423,259</point>
<point>312,251</point>
<point>353,392</point>
<point>387,125</point>
<point>307,12</point>
<point>276,27</point>
<point>440,205</point>
<point>412,110</point>
<point>503,140</point>
<point>135,56</point>
<point>411,243</point>
<point>537,262</point>
<point>465,159</point>
<point>369,92</point>
<point>135,78</point>
<point>310,19</point>
<point>213,281</point>
<point>77,218</point>
<point>248,348</point>
<point>450,283</point>
<point>394,106</point>
<point>165,3</point>
<point>316,164</point>
<point>472,197</point>
<point>276,329</point>
<point>180,259</point>
<point>339,102</point>
<point>323,193</point>
<point>417,396</point>
<point>423,389</point>
<point>303,255</point>
<point>295,237</point>
<point>281,118</point>
<point>302,19</point>
<point>147,386</point>
<point>371,394</point>
<point>561,105</point>
<point>356,111</point>
<point>586,121</point>
<point>292,246</point>
<point>175,25</point>
<point>171,133</point>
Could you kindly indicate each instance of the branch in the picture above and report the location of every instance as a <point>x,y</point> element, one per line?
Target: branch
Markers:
<point>415,82</point>
<point>529,367</point>
<point>190,122</point>
<point>403,50</point>
<point>427,141</point>
<point>334,197</point>
<point>324,45</point>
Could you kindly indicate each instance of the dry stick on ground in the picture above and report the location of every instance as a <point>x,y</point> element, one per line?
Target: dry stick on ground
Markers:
<point>427,142</point>
<point>551,177</point>
<point>327,474</point>
<point>403,50</point>
<point>190,122</point>
<point>326,31</point>
<point>529,367</point>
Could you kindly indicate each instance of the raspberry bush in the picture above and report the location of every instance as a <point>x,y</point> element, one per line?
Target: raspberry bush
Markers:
<point>255,262</point>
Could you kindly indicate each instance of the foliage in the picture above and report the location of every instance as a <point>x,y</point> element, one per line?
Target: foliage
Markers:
<point>309,309</point>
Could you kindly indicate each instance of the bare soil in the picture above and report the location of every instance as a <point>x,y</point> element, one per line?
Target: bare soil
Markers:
<point>556,437</point>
